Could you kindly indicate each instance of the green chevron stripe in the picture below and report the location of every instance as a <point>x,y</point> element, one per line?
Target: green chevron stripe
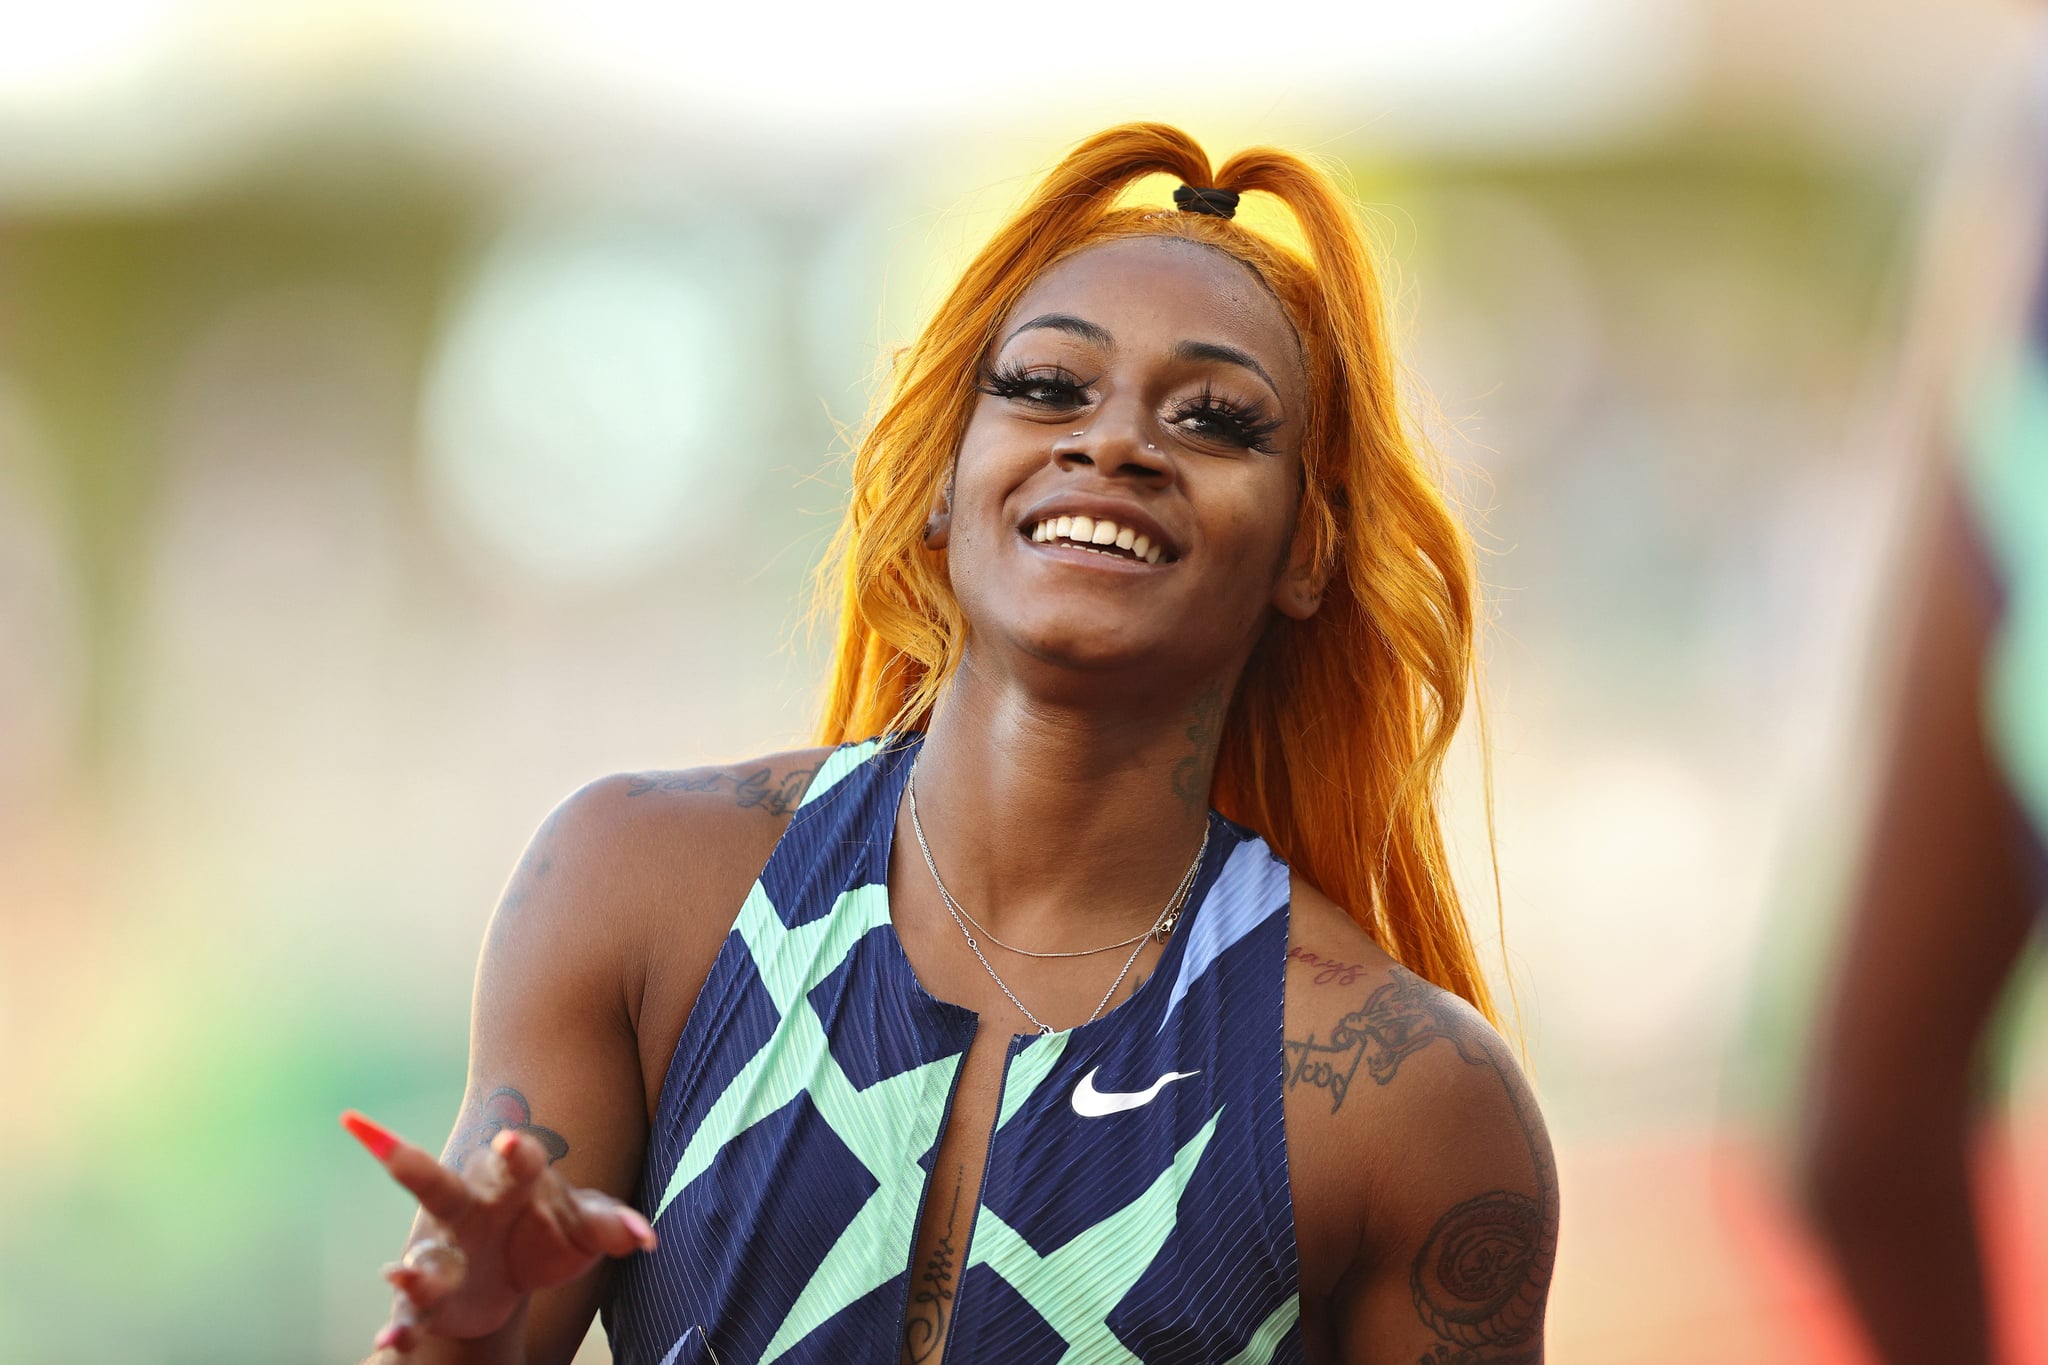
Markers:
<point>838,765</point>
<point>1027,1070</point>
<point>1077,1286</point>
<point>1259,1350</point>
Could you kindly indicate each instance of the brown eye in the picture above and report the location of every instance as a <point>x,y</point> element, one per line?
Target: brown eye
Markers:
<point>1218,419</point>
<point>1048,389</point>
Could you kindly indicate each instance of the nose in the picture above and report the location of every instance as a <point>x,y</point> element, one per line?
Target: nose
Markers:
<point>1120,441</point>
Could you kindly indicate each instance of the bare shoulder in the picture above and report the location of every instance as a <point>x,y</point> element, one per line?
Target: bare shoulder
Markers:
<point>660,841</point>
<point>1358,1021</point>
<point>1408,1120</point>
<point>634,879</point>
<point>700,820</point>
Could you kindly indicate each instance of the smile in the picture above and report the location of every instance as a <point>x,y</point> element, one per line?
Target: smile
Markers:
<point>1101,536</point>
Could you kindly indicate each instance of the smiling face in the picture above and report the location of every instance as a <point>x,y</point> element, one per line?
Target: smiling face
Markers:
<point>1148,387</point>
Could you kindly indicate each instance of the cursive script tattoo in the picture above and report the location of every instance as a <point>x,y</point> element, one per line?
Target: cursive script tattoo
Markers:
<point>1324,1065</point>
<point>926,1327</point>
<point>1329,971</point>
<point>1192,773</point>
<point>507,1108</point>
<point>760,788</point>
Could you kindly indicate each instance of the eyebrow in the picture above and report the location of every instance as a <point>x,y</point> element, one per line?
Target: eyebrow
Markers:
<point>1066,322</point>
<point>1098,335</point>
<point>1228,355</point>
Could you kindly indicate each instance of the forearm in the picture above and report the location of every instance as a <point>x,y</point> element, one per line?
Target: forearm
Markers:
<point>506,1346</point>
<point>1896,1212</point>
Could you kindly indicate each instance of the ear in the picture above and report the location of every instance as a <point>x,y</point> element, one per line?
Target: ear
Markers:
<point>1299,593</point>
<point>938,526</point>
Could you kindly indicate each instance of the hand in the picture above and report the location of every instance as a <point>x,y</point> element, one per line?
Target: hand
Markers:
<point>491,1234</point>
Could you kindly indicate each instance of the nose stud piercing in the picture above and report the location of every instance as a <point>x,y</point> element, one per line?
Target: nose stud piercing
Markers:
<point>1076,433</point>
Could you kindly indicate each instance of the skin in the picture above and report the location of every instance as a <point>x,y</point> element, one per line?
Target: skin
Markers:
<point>1063,790</point>
<point>1942,912</point>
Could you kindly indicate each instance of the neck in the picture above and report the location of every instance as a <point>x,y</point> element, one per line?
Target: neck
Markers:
<point>1062,823</point>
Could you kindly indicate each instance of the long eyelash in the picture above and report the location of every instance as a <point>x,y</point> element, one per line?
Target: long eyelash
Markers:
<point>1015,381</point>
<point>1249,425</point>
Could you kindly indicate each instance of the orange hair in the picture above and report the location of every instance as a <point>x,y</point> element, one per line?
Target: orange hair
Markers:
<point>1335,740</point>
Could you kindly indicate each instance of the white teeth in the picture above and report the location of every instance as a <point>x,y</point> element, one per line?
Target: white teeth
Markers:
<point>1088,532</point>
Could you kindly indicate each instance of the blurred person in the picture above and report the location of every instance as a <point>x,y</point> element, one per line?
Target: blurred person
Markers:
<point>1954,874</point>
<point>977,1032</point>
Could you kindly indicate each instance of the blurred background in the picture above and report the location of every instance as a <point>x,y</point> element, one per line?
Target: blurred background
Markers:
<point>410,411</point>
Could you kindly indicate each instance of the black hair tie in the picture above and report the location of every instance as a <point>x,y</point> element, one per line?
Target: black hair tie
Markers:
<point>1217,203</point>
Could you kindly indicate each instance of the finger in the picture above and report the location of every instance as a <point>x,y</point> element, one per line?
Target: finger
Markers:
<point>440,1191</point>
<point>505,1172</point>
<point>524,1158</point>
<point>400,1334</point>
<point>431,1271</point>
<point>596,1223</point>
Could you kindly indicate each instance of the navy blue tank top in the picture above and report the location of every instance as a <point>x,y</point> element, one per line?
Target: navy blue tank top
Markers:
<point>793,1143</point>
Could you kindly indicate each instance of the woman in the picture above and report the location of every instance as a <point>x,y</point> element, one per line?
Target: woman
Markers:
<point>980,1035</point>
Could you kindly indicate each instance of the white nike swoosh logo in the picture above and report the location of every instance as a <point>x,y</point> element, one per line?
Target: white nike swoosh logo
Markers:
<point>1091,1103</point>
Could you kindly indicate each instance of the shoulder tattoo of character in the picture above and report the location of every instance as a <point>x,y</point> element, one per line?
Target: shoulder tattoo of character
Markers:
<point>756,789</point>
<point>507,1108</point>
<point>1483,1274</point>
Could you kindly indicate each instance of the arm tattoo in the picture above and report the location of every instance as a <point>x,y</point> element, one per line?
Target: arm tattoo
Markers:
<point>507,1108</point>
<point>1191,775</point>
<point>1400,1018</point>
<point>1442,1355</point>
<point>759,789</point>
<point>926,1327</point>
<point>1483,1274</point>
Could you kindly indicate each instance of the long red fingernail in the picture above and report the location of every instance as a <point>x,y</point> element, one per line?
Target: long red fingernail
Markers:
<point>388,1337</point>
<point>373,1135</point>
<point>642,1230</point>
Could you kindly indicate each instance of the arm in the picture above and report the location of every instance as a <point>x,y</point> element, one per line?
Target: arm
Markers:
<point>1458,1184</point>
<point>554,1056</point>
<point>1939,917</point>
<point>599,946</point>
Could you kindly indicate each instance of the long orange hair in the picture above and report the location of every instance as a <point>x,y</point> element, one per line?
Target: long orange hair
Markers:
<point>1334,743</point>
